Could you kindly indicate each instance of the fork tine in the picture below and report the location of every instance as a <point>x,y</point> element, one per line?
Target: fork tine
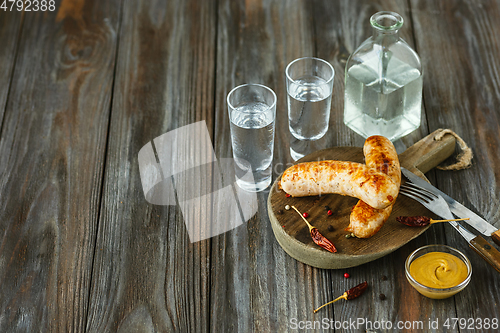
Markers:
<point>414,197</point>
<point>414,186</point>
<point>414,194</point>
<point>426,198</point>
<point>422,192</point>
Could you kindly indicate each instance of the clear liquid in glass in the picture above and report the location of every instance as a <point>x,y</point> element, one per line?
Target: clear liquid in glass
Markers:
<point>252,132</point>
<point>309,107</point>
<point>387,105</point>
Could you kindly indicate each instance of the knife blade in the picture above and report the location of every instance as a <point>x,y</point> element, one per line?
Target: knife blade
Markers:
<point>477,243</point>
<point>457,208</point>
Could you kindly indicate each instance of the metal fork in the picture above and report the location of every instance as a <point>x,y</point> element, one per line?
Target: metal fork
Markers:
<point>438,205</point>
<point>428,199</point>
<point>434,203</point>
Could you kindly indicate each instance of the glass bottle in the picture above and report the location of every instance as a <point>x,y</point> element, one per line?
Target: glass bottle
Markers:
<point>383,82</point>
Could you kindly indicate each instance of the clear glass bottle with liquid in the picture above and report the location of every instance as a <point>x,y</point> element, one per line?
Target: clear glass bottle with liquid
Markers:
<point>383,82</point>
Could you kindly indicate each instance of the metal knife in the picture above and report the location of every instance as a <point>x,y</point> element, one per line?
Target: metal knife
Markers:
<point>458,209</point>
<point>477,243</point>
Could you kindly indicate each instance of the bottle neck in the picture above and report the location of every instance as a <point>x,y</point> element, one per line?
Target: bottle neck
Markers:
<point>388,33</point>
<point>386,25</point>
<point>385,37</point>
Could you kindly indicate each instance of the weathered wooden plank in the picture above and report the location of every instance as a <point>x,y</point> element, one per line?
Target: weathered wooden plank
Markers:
<point>462,92</point>
<point>10,28</point>
<point>340,30</point>
<point>52,148</point>
<point>147,275</point>
<point>256,286</point>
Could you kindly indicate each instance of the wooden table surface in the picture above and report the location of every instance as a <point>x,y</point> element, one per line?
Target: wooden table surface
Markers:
<point>85,86</point>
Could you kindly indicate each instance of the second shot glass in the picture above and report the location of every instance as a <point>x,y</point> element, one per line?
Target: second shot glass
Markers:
<point>309,83</point>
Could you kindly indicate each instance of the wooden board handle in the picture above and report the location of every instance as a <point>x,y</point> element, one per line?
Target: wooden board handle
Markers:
<point>428,153</point>
<point>488,252</point>
<point>496,237</point>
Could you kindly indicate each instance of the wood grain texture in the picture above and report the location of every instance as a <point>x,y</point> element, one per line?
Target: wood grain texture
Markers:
<point>293,234</point>
<point>340,30</point>
<point>148,277</point>
<point>487,251</point>
<point>256,286</point>
<point>80,256</point>
<point>496,237</point>
<point>287,293</point>
<point>52,149</point>
<point>462,92</point>
<point>10,28</point>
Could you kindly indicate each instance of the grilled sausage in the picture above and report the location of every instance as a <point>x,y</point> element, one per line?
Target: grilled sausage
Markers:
<point>346,178</point>
<point>381,155</point>
<point>366,221</point>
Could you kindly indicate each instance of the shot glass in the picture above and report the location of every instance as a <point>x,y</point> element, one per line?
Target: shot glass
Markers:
<point>309,83</point>
<point>252,114</point>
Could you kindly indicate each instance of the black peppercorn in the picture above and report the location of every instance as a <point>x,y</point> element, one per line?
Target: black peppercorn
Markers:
<point>330,228</point>
<point>381,296</point>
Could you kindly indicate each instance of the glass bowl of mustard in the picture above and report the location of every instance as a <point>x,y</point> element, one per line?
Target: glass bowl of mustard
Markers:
<point>438,271</point>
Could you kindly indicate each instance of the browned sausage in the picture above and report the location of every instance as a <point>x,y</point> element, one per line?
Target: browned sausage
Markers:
<point>381,155</point>
<point>346,178</point>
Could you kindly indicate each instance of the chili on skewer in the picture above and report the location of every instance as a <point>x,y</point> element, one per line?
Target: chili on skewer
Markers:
<point>316,236</point>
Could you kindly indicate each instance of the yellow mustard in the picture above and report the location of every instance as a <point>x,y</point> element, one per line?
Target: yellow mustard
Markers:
<point>438,270</point>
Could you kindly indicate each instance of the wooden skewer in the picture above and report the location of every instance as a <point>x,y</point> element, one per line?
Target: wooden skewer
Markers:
<point>352,293</point>
<point>308,224</point>
<point>344,296</point>
<point>421,221</point>
<point>438,221</point>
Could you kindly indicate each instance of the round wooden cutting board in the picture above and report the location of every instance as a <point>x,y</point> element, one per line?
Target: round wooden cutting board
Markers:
<point>293,235</point>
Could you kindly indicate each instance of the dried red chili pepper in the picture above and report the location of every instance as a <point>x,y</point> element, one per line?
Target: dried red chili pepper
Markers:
<point>322,241</point>
<point>356,291</point>
<point>414,221</point>
<point>317,237</point>
<point>421,221</point>
<point>352,293</point>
